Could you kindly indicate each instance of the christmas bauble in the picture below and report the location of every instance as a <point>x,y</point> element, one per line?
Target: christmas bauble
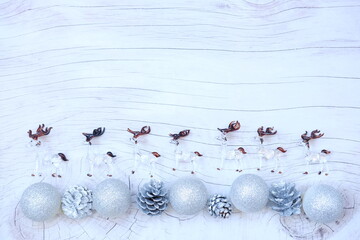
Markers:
<point>188,195</point>
<point>111,198</point>
<point>40,202</point>
<point>249,193</point>
<point>323,203</point>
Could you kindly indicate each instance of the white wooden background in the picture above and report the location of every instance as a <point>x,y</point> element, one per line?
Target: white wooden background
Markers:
<point>173,65</point>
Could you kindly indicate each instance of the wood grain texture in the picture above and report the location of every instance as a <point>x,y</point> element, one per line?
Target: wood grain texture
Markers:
<point>79,65</point>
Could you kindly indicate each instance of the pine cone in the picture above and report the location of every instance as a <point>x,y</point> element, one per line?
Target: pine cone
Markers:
<point>152,198</point>
<point>219,205</point>
<point>77,202</point>
<point>285,199</point>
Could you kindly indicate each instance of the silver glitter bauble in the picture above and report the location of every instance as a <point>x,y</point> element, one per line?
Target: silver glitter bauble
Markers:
<point>111,198</point>
<point>77,202</point>
<point>188,195</point>
<point>249,193</point>
<point>40,202</point>
<point>323,203</point>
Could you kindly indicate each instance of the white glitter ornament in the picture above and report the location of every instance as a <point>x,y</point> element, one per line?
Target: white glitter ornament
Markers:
<point>249,193</point>
<point>323,203</point>
<point>188,195</point>
<point>40,202</point>
<point>111,198</point>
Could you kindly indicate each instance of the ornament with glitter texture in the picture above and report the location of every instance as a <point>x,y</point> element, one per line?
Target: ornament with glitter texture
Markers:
<point>188,195</point>
<point>249,193</point>
<point>40,202</point>
<point>323,203</point>
<point>111,198</point>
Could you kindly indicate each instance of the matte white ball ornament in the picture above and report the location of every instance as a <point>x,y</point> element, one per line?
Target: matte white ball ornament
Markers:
<point>40,202</point>
<point>188,195</point>
<point>323,203</point>
<point>249,193</point>
<point>111,198</point>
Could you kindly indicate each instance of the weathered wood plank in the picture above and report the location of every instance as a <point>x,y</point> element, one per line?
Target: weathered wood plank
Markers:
<point>176,65</point>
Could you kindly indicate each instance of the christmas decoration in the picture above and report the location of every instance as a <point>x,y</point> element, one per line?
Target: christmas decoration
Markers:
<point>188,195</point>
<point>315,157</point>
<point>323,203</point>
<point>152,198</point>
<point>37,145</point>
<point>139,156</point>
<point>219,206</point>
<point>77,202</point>
<point>111,198</point>
<point>93,158</point>
<point>249,193</point>
<point>224,153</point>
<point>40,202</point>
<point>285,199</point>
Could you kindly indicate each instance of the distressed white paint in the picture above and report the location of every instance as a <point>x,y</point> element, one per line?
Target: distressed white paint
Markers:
<point>173,65</point>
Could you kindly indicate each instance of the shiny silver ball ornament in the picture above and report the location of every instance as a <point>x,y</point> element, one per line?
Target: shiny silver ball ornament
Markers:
<point>111,198</point>
<point>40,202</point>
<point>249,193</point>
<point>188,195</point>
<point>323,203</point>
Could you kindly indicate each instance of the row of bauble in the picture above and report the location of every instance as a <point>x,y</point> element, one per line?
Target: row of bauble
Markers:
<point>249,193</point>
